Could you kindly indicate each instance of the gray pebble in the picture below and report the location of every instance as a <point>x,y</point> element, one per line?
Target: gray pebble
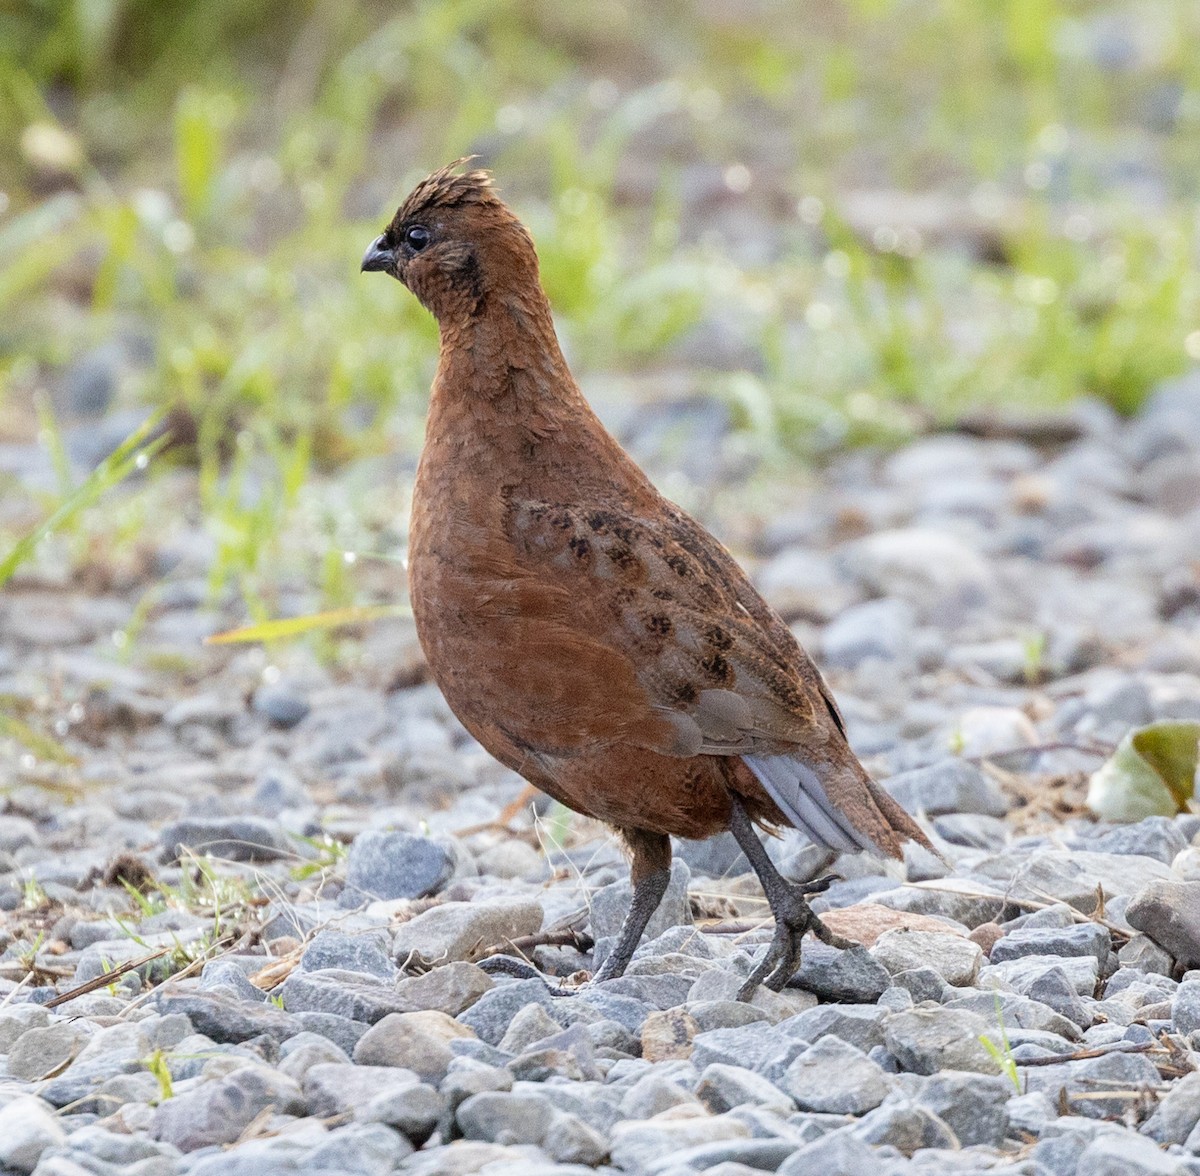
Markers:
<point>27,1129</point>
<point>835,1078</point>
<point>1079,939</point>
<point>358,996</point>
<point>610,903</point>
<point>239,839</point>
<point>491,1015</point>
<point>952,786</point>
<point>366,952</point>
<point>406,1039</point>
<point>394,865</point>
<point>282,705</point>
<point>973,1106</point>
<point>852,976</point>
<point>1169,912</point>
<point>926,1040</point>
<point>218,1112</point>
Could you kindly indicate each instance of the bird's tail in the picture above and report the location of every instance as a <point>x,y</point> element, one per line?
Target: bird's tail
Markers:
<point>840,807</point>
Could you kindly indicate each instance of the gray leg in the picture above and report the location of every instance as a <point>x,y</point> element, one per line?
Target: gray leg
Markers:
<point>793,915</point>
<point>650,872</point>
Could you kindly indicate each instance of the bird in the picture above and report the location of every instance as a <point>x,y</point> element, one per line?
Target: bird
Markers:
<point>588,632</point>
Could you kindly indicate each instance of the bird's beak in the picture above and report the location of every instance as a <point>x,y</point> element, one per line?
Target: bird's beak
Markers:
<point>378,257</point>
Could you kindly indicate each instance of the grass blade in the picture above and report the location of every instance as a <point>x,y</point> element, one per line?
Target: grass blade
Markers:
<point>313,622</point>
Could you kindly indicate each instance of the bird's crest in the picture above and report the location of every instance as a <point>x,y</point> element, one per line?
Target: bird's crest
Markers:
<point>446,188</point>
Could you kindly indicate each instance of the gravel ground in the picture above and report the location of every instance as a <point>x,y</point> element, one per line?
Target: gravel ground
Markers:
<point>277,879</point>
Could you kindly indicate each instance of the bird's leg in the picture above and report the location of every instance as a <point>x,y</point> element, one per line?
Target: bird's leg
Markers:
<point>649,872</point>
<point>793,915</point>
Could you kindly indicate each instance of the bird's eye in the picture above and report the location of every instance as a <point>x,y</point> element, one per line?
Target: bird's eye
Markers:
<point>416,237</point>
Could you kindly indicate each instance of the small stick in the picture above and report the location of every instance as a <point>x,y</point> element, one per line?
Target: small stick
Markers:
<point>105,978</point>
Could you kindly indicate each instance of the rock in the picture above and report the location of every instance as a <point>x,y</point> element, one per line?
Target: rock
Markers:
<point>1185,1008</point>
<point>531,1024</point>
<point>457,930</point>
<point>38,1052</point>
<point>636,1146</point>
<point>865,922</point>
<point>953,957</point>
<point>881,629</point>
<point>1098,1088</point>
<point>340,1088</point>
<point>366,952</point>
<point>837,1154</point>
<point>926,1040</point>
<point>609,904</point>
<point>305,1050</point>
<point>510,1118</point>
<point>860,1025</point>
<point>17,1019</point>
<point>239,839</point>
<point>1071,876</point>
<point>1079,939</point>
<point>358,1149</point>
<point>412,1108</point>
<point>1126,1154</point>
<point>1054,989</point>
<point>394,865</point>
<point>654,1093</point>
<point>218,1112</point>
<point>852,976</point>
<point>282,705</point>
<point>1169,912</point>
<point>451,989</point>
<point>974,1106</point>
<point>668,1034</point>
<point>491,1015</point>
<point>1022,973</point>
<point>921,984</point>
<point>1144,955</point>
<point>27,1129</point>
<point>416,1041</point>
<point>341,1031</point>
<point>951,786</point>
<point>993,730</point>
<point>759,1047</point>
<point>278,790</point>
<point>901,1124</point>
<point>357,996</point>
<point>723,1088</point>
<point>928,567</point>
<point>1177,1114</point>
<point>225,1019</point>
<point>1154,837</point>
<point>835,1078</point>
<point>227,978</point>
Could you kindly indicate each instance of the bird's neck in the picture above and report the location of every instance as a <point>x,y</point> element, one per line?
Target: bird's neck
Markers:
<point>506,364</point>
<point>504,399</point>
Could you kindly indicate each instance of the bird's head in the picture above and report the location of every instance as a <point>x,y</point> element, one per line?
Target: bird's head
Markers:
<point>455,244</point>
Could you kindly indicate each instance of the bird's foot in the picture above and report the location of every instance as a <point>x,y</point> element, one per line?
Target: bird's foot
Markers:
<point>793,918</point>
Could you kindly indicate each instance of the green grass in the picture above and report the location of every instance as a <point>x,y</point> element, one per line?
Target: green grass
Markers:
<point>207,178</point>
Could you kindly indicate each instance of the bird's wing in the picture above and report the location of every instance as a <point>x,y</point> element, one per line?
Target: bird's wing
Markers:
<point>715,664</point>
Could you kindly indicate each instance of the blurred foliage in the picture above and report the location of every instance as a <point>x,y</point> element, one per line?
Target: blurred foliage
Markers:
<point>197,180</point>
